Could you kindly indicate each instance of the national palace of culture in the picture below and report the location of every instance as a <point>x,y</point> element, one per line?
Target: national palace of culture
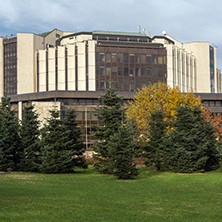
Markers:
<point>71,69</point>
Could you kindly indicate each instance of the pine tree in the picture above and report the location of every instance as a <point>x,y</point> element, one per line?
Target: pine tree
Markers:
<point>110,116</point>
<point>157,132</point>
<point>30,141</point>
<point>192,145</point>
<point>10,144</point>
<point>122,149</point>
<point>73,135</point>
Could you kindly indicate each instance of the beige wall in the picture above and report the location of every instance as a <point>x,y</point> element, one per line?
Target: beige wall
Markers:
<point>71,67</point>
<point>202,54</point>
<point>81,66</point>
<point>91,66</point>
<point>26,67</point>
<point>1,68</point>
<point>42,108</point>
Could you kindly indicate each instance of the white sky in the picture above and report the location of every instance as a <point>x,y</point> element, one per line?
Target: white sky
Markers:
<point>185,20</point>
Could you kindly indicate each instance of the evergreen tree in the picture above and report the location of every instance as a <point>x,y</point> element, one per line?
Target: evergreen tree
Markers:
<point>157,132</point>
<point>30,141</point>
<point>55,156</point>
<point>10,144</point>
<point>122,149</point>
<point>192,145</point>
<point>73,135</point>
<point>110,116</point>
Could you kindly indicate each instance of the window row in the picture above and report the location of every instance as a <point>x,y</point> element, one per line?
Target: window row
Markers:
<point>130,58</point>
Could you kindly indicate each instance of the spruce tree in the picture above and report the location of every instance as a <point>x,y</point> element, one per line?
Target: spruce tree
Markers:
<point>55,156</point>
<point>110,116</point>
<point>122,149</point>
<point>30,141</point>
<point>10,144</point>
<point>157,132</point>
<point>73,135</point>
<point>191,146</point>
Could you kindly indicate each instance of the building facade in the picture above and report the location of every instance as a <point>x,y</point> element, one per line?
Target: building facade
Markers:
<point>72,69</point>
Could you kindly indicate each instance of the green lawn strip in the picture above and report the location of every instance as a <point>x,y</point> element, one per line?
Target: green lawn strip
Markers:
<point>88,196</point>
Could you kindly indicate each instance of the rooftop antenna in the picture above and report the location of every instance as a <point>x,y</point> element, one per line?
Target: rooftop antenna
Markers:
<point>164,32</point>
<point>139,27</point>
<point>145,31</point>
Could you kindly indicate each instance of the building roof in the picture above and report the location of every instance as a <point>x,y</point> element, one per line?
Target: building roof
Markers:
<point>118,33</point>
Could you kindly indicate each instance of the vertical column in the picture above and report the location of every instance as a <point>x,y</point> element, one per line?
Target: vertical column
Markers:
<point>20,110</point>
<point>42,71</point>
<point>92,66</point>
<point>1,67</point>
<point>81,66</point>
<point>71,78</point>
<point>61,67</point>
<point>51,69</point>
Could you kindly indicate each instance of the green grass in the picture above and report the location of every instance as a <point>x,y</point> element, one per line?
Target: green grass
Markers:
<point>87,196</point>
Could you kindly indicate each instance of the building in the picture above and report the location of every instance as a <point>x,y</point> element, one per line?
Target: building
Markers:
<point>71,69</point>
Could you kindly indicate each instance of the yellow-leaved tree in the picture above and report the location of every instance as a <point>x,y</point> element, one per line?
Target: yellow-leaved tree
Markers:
<point>157,96</point>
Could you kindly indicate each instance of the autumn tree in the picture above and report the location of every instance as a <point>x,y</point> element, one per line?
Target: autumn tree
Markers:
<point>216,121</point>
<point>157,95</point>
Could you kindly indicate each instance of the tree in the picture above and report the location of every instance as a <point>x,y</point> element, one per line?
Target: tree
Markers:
<point>10,144</point>
<point>157,95</point>
<point>55,156</point>
<point>191,146</point>
<point>122,148</point>
<point>73,134</point>
<point>216,121</point>
<point>30,140</point>
<point>157,132</point>
<point>110,116</point>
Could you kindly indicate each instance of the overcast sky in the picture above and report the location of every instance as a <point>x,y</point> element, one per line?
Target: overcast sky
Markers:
<point>185,20</point>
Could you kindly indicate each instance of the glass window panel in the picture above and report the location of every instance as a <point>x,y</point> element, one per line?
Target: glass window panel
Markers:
<point>149,72</point>
<point>143,59</point>
<point>137,71</point>
<point>108,71</point>
<point>102,85</point>
<point>114,71</point>
<point>102,57</point>
<point>120,71</point>
<point>108,57</point>
<point>126,71</point>
<point>114,85</point>
<point>126,58</point>
<point>143,71</point>
<point>114,58</point>
<point>160,60</point>
<point>102,71</point>
<point>148,59</point>
<point>120,58</point>
<point>154,59</point>
<point>137,59</point>
<point>120,85</point>
<point>132,72</point>
<point>131,59</point>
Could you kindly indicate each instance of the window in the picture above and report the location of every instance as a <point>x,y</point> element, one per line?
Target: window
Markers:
<point>148,59</point>
<point>126,71</point>
<point>120,71</point>
<point>132,72</point>
<point>102,57</point>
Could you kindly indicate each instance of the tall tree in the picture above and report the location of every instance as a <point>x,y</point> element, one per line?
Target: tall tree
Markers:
<point>73,136</point>
<point>54,154</point>
<point>110,116</point>
<point>191,146</point>
<point>157,132</point>
<point>153,96</point>
<point>30,140</point>
<point>122,150</point>
<point>10,144</point>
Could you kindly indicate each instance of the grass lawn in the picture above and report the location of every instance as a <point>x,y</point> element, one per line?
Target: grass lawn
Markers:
<point>87,196</point>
